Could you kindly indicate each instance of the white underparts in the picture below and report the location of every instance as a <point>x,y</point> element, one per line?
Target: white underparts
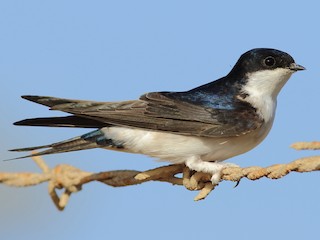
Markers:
<point>262,89</point>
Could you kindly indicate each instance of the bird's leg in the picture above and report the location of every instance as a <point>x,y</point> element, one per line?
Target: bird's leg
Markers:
<point>214,168</point>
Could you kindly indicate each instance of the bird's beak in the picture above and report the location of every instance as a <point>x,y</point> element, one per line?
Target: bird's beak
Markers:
<point>296,67</point>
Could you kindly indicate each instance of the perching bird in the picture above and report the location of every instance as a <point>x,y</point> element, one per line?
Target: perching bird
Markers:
<point>200,127</point>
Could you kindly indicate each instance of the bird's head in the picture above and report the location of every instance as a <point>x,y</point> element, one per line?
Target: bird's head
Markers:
<point>264,71</point>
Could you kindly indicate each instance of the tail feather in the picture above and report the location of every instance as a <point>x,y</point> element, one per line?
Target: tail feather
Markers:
<point>29,148</point>
<point>94,139</point>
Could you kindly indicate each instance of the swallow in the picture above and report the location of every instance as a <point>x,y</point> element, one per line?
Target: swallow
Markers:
<point>200,127</point>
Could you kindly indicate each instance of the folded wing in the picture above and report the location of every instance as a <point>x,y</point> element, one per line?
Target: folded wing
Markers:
<point>153,111</point>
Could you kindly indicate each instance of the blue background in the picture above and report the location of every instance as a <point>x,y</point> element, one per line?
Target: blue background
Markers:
<point>118,50</point>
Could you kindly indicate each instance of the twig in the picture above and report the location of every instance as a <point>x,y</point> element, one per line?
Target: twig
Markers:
<point>71,179</point>
<point>306,145</point>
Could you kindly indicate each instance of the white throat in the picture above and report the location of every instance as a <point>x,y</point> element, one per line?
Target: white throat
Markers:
<point>263,88</point>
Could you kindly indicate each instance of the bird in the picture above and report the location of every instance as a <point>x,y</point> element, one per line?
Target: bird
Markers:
<point>200,127</point>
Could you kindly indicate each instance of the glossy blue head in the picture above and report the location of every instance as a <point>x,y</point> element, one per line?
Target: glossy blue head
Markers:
<point>259,59</point>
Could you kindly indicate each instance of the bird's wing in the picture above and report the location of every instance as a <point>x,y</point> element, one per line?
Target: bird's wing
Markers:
<point>67,121</point>
<point>158,112</point>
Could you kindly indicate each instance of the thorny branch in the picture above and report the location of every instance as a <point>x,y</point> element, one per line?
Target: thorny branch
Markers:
<point>71,179</point>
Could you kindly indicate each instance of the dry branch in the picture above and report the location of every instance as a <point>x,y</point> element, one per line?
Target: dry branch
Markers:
<point>71,179</point>
<point>306,145</point>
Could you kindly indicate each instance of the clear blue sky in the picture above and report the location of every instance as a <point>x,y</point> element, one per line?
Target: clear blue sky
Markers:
<point>118,50</point>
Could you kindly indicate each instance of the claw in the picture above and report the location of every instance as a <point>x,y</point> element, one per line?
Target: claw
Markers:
<point>237,184</point>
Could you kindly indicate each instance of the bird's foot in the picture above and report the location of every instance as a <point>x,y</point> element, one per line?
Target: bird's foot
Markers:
<point>194,180</point>
<point>213,168</point>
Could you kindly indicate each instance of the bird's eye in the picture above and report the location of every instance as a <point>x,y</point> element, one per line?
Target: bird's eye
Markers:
<point>269,61</point>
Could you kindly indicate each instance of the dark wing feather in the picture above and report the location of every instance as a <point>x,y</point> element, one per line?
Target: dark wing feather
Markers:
<point>156,111</point>
<point>68,121</point>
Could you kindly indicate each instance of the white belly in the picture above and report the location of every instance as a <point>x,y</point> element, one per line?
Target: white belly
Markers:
<point>178,148</point>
